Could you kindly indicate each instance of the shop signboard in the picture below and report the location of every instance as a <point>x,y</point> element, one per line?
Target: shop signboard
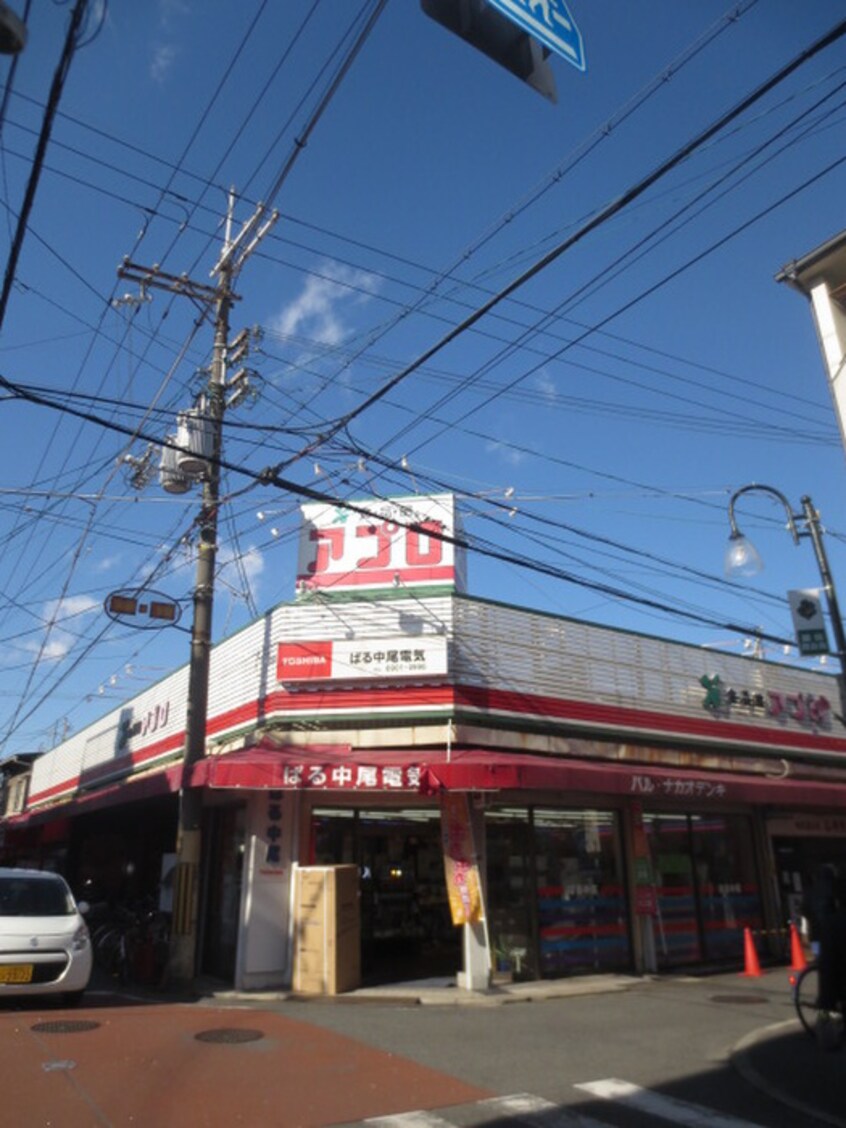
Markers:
<point>380,544</point>
<point>722,699</point>
<point>352,777</point>
<point>361,659</point>
<point>808,621</point>
<point>808,825</point>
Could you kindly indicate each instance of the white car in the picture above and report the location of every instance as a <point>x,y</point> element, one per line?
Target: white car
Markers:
<point>45,948</point>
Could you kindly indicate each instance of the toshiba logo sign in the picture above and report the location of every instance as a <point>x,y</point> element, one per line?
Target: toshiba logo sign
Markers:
<point>299,661</point>
<point>341,660</point>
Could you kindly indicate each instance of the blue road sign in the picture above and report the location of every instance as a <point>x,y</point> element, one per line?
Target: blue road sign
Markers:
<point>550,22</point>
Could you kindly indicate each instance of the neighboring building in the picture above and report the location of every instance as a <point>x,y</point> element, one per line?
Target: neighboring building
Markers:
<point>626,803</point>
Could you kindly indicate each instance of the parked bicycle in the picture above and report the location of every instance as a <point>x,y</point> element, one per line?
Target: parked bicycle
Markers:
<point>806,993</point>
<point>132,944</point>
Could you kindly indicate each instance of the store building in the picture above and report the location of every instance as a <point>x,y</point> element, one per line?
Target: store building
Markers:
<point>579,799</point>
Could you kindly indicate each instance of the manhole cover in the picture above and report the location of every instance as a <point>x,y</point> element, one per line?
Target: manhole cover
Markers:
<point>739,999</point>
<point>65,1026</point>
<point>229,1035</point>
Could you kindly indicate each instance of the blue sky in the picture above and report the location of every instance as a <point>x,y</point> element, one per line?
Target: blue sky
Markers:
<point>620,396</point>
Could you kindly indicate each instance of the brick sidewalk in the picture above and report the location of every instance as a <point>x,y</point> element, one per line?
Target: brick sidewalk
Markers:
<point>171,1064</point>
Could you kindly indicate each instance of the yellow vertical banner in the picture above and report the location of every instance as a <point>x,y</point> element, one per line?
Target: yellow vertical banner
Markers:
<point>460,865</point>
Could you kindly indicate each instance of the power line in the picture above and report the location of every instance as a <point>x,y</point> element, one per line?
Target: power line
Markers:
<point>59,77</point>
<point>596,221</point>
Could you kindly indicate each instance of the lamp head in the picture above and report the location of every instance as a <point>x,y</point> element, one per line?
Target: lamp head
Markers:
<point>12,31</point>
<point>742,558</point>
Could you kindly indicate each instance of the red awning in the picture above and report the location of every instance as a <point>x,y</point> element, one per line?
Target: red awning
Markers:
<point>474,770</point>
<point>164,782</point>
<point>315,768</point>
<point>429,772</point>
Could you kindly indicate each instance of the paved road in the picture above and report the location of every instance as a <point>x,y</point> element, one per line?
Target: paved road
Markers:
<point>658,1052</point>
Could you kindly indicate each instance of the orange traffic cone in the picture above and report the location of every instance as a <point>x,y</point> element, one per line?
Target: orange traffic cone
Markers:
<point>797,956</point>
<point>752,967</point>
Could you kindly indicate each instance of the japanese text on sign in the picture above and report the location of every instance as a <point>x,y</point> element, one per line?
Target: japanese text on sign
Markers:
<point>346,659</point>
<point>805,708</point>
<point>375,777</point>
<point>396,543</point>
<point>671,786</point>
<point>273,830</point>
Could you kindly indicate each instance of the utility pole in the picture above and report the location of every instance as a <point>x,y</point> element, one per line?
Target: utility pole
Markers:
<point>186,887</point>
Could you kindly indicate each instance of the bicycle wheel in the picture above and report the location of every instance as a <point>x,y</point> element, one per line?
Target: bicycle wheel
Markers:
<point>107,944</point>
<point>805,995</point>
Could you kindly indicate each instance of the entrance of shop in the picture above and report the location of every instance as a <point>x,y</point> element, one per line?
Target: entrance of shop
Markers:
<point>706,885</point>
<point>224,830</point>
<point>799,863</point>
<point>406,928</point>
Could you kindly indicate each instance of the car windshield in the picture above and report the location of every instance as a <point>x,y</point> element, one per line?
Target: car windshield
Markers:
<point>34,896</point>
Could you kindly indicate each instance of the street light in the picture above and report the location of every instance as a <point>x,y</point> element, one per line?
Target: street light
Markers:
<point>742,558</point>
<point>12,31</point>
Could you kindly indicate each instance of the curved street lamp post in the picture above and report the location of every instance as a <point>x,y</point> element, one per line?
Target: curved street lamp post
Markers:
<point>743,559</point>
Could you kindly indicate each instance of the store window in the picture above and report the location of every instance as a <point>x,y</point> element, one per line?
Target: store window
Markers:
<point>707,889</point>
<point>581,897</point>
<point>556,896</point>
<point>510,906</point>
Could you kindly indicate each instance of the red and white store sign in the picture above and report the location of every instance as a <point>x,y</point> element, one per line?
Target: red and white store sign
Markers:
<point>361,659</point>
<point>399,543</point>
<point>359,777</point>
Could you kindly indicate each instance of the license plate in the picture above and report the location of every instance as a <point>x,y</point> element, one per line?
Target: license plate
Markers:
<point>16,973</point>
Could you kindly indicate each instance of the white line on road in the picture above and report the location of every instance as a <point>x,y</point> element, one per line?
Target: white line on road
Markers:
<point>656,1104</point>
<point>417,1119</point>
<point>525,1107</point>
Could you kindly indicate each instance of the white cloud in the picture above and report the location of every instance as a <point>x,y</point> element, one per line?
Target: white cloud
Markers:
<point>546,386</point>
<point>506,453</point>
<point>170,10</point>
<point>105,563</point>
<point>320,310</point>
<point>232,576</point>
<point>164,57</point>
<point>165,51</point>
<point>70,607</point>
<point>56,648</point>
<point>59,612</point>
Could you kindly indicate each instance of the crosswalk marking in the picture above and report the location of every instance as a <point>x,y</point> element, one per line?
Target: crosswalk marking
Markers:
<point>526,1107</point>
<point>417,1119</point>
<point>656,1104</point>
<point>531,1110</point>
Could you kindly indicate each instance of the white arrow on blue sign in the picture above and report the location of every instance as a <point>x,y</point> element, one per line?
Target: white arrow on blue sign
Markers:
<point>550,22</point>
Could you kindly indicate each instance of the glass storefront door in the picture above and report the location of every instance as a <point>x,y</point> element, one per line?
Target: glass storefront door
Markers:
<point>706,885</point>
<point>406,927</point>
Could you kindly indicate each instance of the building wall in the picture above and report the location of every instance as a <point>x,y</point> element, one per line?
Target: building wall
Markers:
<point>507,664</point>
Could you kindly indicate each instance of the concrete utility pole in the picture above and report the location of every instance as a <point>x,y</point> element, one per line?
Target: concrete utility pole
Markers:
<point>186,888</point>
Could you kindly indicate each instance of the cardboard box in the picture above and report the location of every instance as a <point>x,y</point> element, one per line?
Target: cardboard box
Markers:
<point>327,930</point>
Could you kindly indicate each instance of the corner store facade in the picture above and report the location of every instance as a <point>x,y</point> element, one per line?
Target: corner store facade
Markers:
<point>634,803</point>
